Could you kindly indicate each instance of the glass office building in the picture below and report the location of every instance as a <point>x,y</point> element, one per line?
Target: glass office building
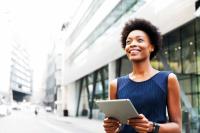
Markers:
<point>100,56</point>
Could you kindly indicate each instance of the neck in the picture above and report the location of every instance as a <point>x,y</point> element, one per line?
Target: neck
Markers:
<point>142,68</point>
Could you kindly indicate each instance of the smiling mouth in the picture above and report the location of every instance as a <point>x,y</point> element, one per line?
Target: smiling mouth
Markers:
<point>134,51</point>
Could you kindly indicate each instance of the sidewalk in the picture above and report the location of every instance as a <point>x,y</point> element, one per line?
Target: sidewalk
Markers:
<point>92,125</point>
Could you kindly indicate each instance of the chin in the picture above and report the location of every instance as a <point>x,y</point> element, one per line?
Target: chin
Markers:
<point>136,59</point>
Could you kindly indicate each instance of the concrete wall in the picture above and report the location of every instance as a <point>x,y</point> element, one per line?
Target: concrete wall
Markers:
<point>70,98</point>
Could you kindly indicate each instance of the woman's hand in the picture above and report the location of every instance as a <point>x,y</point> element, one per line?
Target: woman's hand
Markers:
<point>141,124</point>
<point>111,125</point>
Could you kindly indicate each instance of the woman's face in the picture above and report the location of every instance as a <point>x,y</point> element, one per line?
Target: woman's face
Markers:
<point>138,46</point>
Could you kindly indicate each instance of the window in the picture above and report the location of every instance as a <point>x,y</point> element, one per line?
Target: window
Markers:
<point>174,52</point>
<point>198,43</point>
<point>188,49</point>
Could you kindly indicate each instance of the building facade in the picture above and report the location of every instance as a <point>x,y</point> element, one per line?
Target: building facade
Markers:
<point>21,74</point>
<point>53,79</point>
<point>93,55</point>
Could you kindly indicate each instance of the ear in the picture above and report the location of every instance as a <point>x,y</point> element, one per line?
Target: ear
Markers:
<point>151,48</point>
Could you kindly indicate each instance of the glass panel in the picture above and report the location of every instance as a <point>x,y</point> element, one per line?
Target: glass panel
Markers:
<point>195,101</point>
<point>155,63</point>
<point>191,88</point>
<point>194,93</point>
<point>165,51</point>
<point>126,66</point>
<point>98,76</point>
<point>90,79</point>
<point>185,82</point>
<point>106,88</point>
<point>174,51</point>
<point>84,83</point>
<point>198,94</point>
<point>188,49</point>
<point>90,90</point>
<point>165,47</point>
<point>198,43</point>
<point>105,72</point>
<point>99,90</point>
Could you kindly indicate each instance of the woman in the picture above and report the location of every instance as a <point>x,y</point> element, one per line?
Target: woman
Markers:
<point>151,91</point>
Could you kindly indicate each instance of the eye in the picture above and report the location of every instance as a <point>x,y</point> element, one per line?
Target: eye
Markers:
<point>128,42</point>
<point>140,40</point>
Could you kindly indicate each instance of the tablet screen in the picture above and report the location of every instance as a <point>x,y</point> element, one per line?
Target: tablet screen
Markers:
<point>121,109</point>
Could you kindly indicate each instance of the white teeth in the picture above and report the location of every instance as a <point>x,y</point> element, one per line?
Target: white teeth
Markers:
<point>134,50</point>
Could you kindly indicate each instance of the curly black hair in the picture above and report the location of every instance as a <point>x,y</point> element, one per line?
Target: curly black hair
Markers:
<point>146,26</point>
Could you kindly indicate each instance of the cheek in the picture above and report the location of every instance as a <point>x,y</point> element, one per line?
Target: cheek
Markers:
<point>146,49</point>
<point>126,49</point>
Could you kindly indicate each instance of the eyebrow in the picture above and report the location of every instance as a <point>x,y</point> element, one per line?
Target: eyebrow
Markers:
<point>135,37</point>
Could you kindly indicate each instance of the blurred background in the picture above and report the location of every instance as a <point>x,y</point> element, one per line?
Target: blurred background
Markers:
<point>58,56</point>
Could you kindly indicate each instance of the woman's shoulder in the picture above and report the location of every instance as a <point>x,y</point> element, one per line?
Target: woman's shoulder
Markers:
<point>172,77</point>
<point>124,77</point>
<point>113,89</point>
<point>169,74</point>
<point>113,82</point>
<point>118,80</point>
<point>165,75</point>
<point>166,72</point>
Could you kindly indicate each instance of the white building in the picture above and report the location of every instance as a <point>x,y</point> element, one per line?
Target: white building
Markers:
<point>53,92</point>
<point>5,55</point>
<point>16,74</point>
<point>21,73</point>
<point>93,55</point>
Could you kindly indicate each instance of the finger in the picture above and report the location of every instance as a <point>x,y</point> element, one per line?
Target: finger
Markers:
<point>141,129</point>
<point>111,129</point>
<point>143,132</point>
<point>139,120</point>
<point>110,125</point>
<point>110,120</point>
<point>141,116</point>
<point>145,121</point>
<point>139,125</point>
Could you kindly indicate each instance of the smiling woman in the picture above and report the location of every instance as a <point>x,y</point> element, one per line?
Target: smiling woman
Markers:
<point>150,31</point>
<point>136,47</point>
<point>151,91</point>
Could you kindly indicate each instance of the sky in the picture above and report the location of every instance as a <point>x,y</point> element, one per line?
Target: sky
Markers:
<point>35,24</point>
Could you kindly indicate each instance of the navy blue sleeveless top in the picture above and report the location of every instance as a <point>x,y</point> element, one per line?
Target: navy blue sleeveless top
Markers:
<point>149,97</point>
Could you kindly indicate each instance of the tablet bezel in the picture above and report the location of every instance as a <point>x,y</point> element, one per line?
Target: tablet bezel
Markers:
<point>121,109</point>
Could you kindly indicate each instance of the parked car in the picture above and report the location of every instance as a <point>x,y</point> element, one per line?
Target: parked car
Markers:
<point>48,109</point>
<point>15,106</point>
<point>5,110</point>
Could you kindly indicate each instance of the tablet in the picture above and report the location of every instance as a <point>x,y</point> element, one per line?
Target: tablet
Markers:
<point>121,109</point>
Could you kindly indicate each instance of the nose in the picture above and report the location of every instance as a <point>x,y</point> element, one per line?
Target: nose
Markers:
<point>133,44</point>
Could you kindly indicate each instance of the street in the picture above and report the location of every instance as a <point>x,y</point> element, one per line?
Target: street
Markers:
<point>25,121</point>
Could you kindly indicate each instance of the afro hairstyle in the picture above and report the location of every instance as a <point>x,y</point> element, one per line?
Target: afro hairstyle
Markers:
<point>145,26</point>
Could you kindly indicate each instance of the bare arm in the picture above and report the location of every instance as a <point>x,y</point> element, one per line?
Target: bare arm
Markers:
<point>113,89</point>
<point>111,125</point>
<point>174,107</point>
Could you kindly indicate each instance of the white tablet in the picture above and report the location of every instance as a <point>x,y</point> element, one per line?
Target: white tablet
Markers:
<point>121,109</point>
